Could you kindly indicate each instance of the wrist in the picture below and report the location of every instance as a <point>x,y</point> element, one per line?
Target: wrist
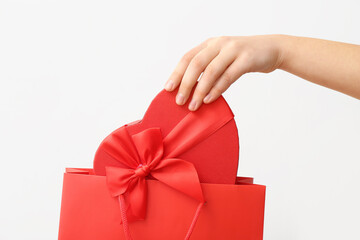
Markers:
<point>280,44</point>
<point>284,45</point>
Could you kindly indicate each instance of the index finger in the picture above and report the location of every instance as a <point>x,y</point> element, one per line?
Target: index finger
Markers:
<point>177,75</point>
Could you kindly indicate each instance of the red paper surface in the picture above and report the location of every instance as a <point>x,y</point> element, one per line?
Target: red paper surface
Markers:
<point>89,212</point>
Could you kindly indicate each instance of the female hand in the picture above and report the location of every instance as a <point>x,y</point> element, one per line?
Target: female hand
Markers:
<point>222,60</point>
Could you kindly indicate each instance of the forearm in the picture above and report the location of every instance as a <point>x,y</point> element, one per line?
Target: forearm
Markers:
<point>331,64</point>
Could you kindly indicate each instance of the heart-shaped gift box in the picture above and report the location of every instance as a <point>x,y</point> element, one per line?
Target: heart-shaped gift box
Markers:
<point>215,157</point>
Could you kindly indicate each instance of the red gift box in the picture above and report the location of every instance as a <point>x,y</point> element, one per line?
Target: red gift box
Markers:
<point>146,180</point>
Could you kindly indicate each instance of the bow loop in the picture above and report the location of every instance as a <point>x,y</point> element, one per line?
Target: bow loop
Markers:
<point>180,175</point>
<point>149,145</point>
<point>119,180</point>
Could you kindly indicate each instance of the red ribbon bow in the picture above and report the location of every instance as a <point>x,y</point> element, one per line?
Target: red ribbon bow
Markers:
<point>150,160</point>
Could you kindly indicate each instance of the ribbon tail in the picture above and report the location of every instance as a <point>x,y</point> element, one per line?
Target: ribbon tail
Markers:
<point>180,175</point>
<point>136,198</point>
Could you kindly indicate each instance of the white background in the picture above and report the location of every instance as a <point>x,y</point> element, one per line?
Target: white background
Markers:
<point>72,71</point>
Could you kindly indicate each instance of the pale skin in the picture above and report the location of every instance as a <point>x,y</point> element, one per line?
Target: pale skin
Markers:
<point>223,60</point>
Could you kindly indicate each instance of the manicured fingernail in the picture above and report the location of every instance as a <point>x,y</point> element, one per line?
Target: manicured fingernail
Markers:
<point>193,105</point>
<point>180,99</point>
<point>207,98</point>
<point>169,86</point>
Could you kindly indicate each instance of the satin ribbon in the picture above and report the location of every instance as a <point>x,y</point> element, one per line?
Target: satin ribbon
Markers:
<point>148,153</point>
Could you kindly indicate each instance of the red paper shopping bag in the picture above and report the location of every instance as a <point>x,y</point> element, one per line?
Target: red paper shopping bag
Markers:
<point>146,180</point>
<point>232,211</point>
